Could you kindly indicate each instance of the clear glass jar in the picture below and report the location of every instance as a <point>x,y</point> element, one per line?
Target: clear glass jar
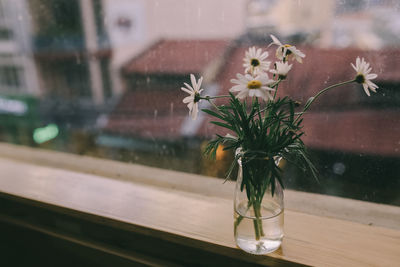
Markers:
<point>258,223</point>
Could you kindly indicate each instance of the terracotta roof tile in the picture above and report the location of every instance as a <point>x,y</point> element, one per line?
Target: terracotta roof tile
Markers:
<point>159,113</point>
<point>320,68</point>
<point>177,57</point>
<point>375,132</point>
<point>352,130</point>
<point>154,113</point>
<point>148,127</point>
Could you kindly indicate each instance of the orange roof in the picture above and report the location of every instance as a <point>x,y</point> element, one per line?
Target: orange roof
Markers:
<point>374,132</point>
<point>321,68</point>
<point>149,114</point>
<point>335,123</point>
<point>177,57</point>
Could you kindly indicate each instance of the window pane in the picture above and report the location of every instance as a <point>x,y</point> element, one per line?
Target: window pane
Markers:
<point>107,74</point>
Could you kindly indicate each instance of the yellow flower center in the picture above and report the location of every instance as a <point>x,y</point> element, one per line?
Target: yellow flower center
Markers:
<point>287,45</point>
<point>254,84</point>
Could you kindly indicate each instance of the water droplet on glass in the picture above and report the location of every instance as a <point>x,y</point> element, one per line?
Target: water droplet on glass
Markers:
<point>339,168</point>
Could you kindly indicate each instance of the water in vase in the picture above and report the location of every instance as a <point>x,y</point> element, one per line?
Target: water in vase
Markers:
<point>270,228</point>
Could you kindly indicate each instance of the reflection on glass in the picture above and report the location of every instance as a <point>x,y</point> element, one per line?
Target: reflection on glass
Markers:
<point>102,78</point>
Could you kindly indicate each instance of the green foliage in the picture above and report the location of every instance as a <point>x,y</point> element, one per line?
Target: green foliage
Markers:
<point>264,132</point>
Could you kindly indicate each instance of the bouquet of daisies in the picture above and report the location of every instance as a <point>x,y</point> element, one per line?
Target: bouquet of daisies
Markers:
<point>263,126</point>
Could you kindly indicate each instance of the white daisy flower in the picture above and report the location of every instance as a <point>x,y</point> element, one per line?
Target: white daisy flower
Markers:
<point>285,52</point>
<point>281,69</point>
<point>248,85</point>
<point>193,99</point>
<point>364,76</point>
<point>254,61</point>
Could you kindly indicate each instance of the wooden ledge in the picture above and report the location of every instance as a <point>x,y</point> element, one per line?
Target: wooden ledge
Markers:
<point>315,204</point>
<point>199,220</point>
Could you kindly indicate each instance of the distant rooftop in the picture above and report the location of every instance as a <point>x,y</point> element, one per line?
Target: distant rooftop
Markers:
<point>176,57</point>
<point>336,122</point>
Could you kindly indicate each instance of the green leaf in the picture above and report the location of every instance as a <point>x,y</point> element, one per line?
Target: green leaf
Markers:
<point>212,113</point>
<point>223,125</point>
<point>291,106</point>
<point>308,103</point>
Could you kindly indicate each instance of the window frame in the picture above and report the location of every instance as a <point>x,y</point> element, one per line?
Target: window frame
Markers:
<point>86,178</point>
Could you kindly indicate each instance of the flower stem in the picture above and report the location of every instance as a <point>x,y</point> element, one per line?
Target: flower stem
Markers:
<point>236,224</point>
<point>325,90</point>
<point>213,104</point>
<point>276,85</point>
<point>214,97</point>
<point>256,229</point>
<point>312,99</point>
<point>258,221</point>
<point>240,217</point>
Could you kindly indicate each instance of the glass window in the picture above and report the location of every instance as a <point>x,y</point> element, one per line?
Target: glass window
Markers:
<point>9,76</point>
<point>5,31</point>
<point>108,74</point>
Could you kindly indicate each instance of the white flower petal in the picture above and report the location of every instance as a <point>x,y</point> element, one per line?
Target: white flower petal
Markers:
<point>188,86</point>
<point>275,40</point>
<point>243,94</point>
<point>237,88</point>
<point>371,86</point>
<point>268,88</point>
<point>263,78</point>
<point>188,99</point>
<point>254,53</point>
<point>199,83</point>
<point>354,67</point>
<point>195,110</point>
<point>264,55</point>
<point>236,81</point>
<point>186,90</point>
<point>261,94</point>
<point>296,51</point>
<point>241,77</point>
<point>193,80</point>
<point>365,86</point>
<point>192,90</point>
<point>363,68</point>
<point>253,92</point>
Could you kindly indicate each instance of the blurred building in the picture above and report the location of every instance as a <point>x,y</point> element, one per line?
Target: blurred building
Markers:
<point>54,68</point>
<point>289,17</point>
<point>135,24</point>
<point>17,67</point>
<point>150,118</point>
<point>368,25</point>
<point>19,82</point>
<point>71,49</point>
<point>67,55</point>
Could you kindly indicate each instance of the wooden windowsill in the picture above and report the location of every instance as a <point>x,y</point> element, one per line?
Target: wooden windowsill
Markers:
<point>183,209</point>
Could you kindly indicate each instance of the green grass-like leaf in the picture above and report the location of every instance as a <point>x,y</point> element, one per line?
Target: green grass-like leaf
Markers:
<point>263,130</point>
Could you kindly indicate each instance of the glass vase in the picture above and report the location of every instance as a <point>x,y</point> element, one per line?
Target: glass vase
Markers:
<point>258,221</point>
